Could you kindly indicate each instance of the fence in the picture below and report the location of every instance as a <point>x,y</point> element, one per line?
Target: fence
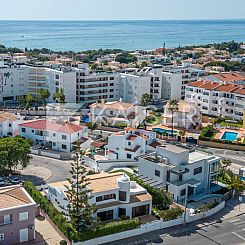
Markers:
<point>155,225</point>
<point>52,154</point>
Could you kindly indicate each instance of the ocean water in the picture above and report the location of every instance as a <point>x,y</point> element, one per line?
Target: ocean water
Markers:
<point>127,35</point>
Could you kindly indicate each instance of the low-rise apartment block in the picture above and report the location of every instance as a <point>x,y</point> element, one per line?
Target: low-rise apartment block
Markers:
<point>180,171</point>
<point>55,135</point>
<point>17,216</point>
<point>114,195</point>
<point>217,98</point>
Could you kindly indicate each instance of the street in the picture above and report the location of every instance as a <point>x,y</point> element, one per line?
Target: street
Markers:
<point>229,232</point>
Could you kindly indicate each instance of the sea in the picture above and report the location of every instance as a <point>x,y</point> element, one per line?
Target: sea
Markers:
<point>127,35</point>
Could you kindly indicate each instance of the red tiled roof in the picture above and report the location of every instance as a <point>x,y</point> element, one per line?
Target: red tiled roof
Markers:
<point>155,144</point>
<point>132,137</point>
<point>43,124</point>
<point>240,90</point>
<point>227,87</point>
<point>229,77</point>
<point>209,85</point>
<point>98,144</point>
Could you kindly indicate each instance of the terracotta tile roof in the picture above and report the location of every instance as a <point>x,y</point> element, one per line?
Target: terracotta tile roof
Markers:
<point>48,125</point>
<point>227,87</point>
<point>134,149</point>
<point>12,197</point>
<point>116,105</point>
<point>229,76</point>
<point>140,198</point>
<point>132,137</point>
<point>208,85</point>
<point>155,144</point>
<point>7,116</point>
<point>130,129</point>
<point>98,144</point>
<point>240,90</point>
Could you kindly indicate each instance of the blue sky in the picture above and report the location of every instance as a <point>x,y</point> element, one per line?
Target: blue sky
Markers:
<point>122,9</point>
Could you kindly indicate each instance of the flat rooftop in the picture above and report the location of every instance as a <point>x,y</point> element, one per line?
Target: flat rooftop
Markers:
<point>174,148</point>
<point>196,156</point>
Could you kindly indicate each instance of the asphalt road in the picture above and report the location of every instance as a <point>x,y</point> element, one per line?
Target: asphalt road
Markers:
<point>59,169</point>
<point>230,232</point>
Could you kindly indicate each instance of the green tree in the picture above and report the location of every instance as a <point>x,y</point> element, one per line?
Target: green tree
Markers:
<point>143,64</point>
<point>59,96</point>
<point>44,95</point>
<point>78,193</point>
<point>14,152</point>
<point>125,58</point>
<point>173,107</point>
<point>145,99</point>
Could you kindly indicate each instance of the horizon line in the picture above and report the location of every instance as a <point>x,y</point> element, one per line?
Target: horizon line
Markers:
<point>218,19</point>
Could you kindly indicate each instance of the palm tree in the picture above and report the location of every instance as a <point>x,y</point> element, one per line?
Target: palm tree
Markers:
<point>173,107</point>
<point>6,75</point>
<point>44,95</point>
<point>145,99</point>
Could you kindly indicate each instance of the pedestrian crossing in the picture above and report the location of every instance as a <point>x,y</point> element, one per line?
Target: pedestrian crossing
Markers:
<point>238,226</point>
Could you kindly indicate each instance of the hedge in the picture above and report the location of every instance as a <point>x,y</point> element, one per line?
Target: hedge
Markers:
<point>160,200</point>
<point>66,227</point>
<point>227,142</point>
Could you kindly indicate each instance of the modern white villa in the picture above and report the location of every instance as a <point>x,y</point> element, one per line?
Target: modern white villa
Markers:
<point>56,135</point>
<point>113,194</point>
<point>179,170</point>
<point>129,143</point>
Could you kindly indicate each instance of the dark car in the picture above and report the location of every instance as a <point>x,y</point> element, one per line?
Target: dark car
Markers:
<point>2,181</point>
<point>14,179</point>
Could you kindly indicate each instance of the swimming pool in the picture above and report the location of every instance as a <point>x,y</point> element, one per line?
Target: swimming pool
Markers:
<point>162,130</point>
<point>229,136</point>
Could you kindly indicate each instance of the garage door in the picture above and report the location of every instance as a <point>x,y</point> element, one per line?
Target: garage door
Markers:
<point>24,235</point>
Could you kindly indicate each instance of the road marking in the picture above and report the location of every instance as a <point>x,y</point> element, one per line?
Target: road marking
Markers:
<point>239,223</point>
<point>234,220</point>
<point>241,237</point>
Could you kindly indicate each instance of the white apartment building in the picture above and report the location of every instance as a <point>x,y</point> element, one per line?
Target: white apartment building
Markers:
<point>134,83</point>
<point>179,170</point>
<point>217,98</point>
<point>114,195</point>
<point>188,115</point>
<point>9,124</point>
<point>53,80</point>
<point>20,80</point>
<point>12,82</point>
<point>95,86</point>
<point>56,135</point>
<point>129,144</point>
<point>175,78</point>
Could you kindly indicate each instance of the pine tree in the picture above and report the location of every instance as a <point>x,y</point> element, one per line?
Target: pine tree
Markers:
<point>79,209</point>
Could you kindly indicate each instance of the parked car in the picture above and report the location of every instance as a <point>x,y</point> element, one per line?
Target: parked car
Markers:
<point>14,179</point>
<point>2,181</point>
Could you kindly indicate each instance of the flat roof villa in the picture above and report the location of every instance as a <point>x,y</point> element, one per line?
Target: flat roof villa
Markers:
<point>113,194</point>
<point>17,215</point>
<point>178,169</point>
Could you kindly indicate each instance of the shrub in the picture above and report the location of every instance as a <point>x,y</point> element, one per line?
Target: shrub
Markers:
<point>63,242</point>
<point>169,214</point>
<point>207,132</point>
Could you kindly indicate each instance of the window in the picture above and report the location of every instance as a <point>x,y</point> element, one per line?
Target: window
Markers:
<point>197,170</point>
<point>140,210</point>
<point>10,125</point>
<point>32,131</point>
<point>111,112</point>
<point>105,197</point>
<point>7,219</point>
<point>54,134</point>
<point>63,137</point>
<point>2,237</point>
<point>157,173</point>
<point>122,196</point>
<point>54,143</point>
<point>63,147</point>
<point>111,96</point>
<point>129,156</point>
<point>23,130</point>
<point>107,215</point>
<point>182,192</point>
<point>23,216</point>
<point>129,143</point>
